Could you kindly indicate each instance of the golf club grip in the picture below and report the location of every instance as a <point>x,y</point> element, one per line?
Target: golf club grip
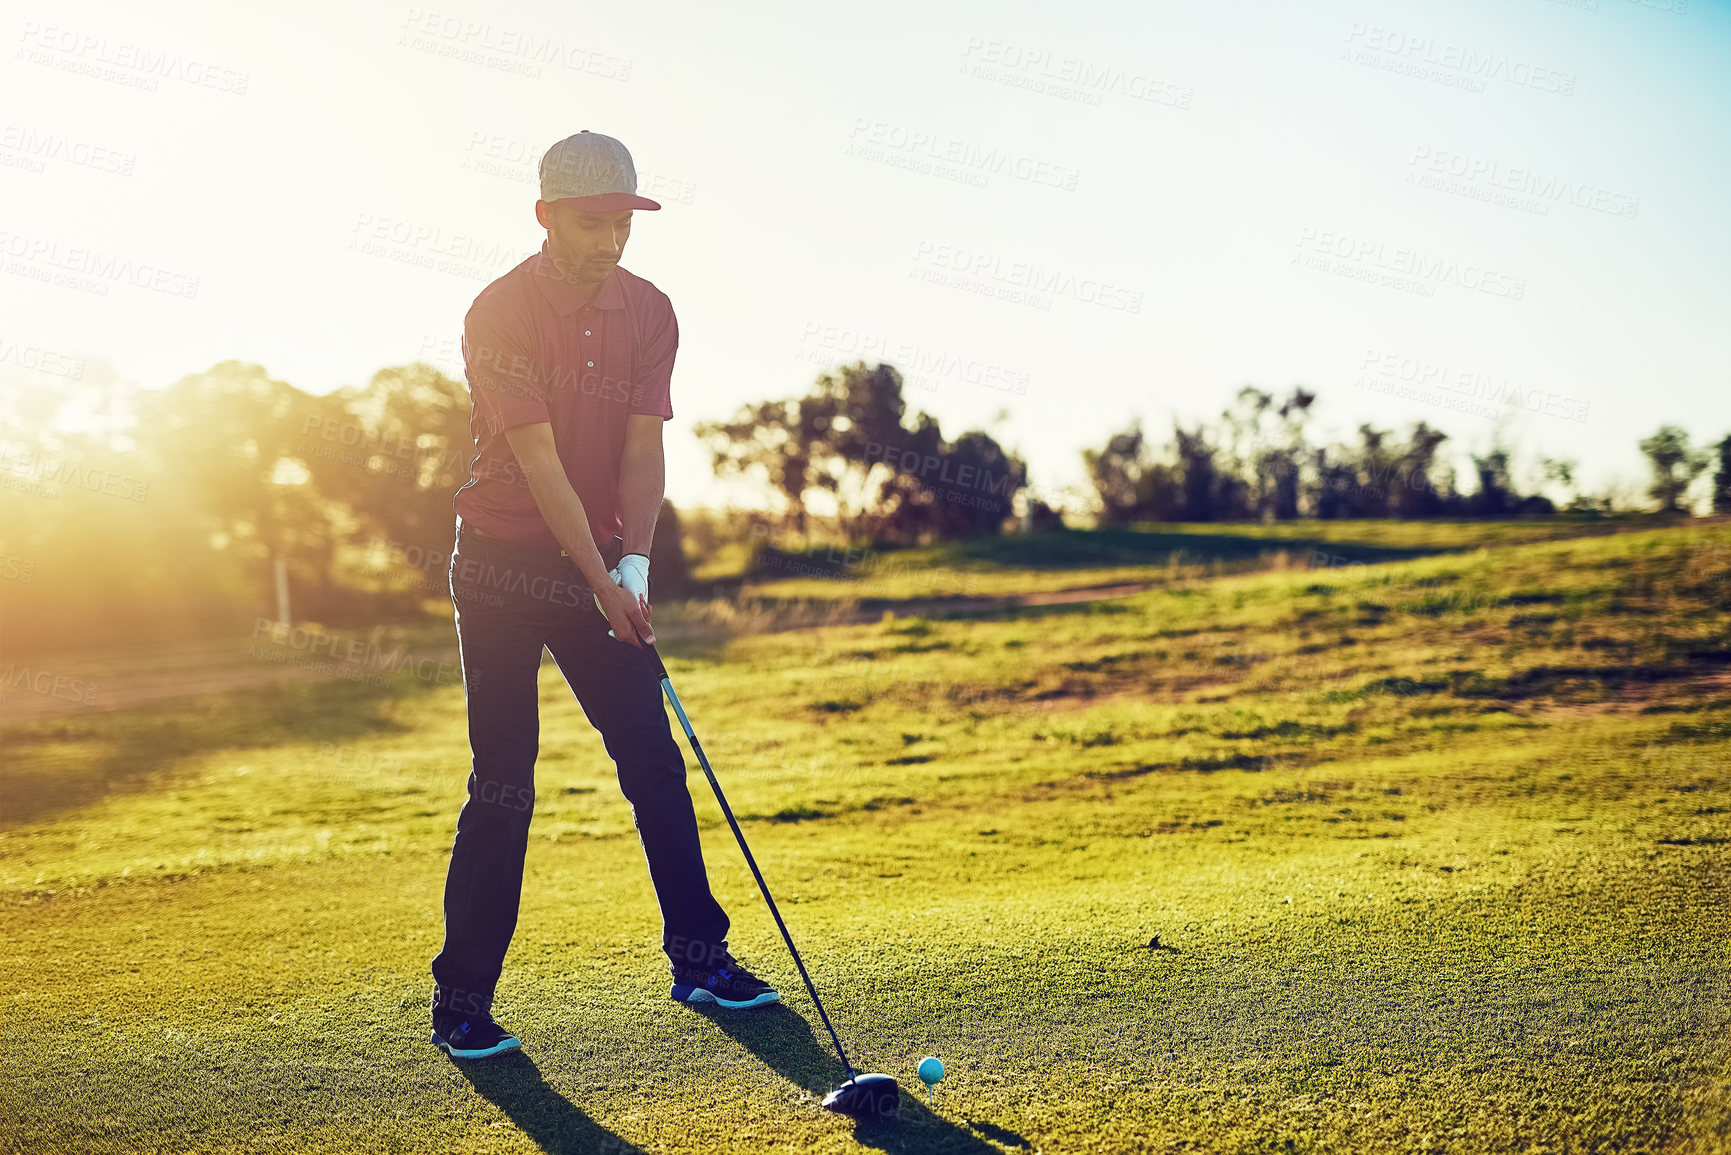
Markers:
<point>739,836</point>
<point>660,666</point>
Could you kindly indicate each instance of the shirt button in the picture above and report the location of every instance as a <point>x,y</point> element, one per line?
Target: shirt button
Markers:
<point>591,364</point>
<point>587,333</point>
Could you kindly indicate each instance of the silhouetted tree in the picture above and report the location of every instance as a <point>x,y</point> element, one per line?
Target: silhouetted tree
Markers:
<point>1196,470</point>
<point>933,489</point>
<point>1130,483</point>
<point>1561,471</point>
<point>1376,471</point>
<point>1495,496</point>
<point>401,450</point>
<point>1722,479</point>
<point>1279,465</point>
<point>1420,489</point>
<point>1256,462</point>
<point>1675,466</point>
<point>1116,472</point>
<point>1335,482</point>
<point>669,573</point>
<point>847,438</point>
<point>1042,518</point>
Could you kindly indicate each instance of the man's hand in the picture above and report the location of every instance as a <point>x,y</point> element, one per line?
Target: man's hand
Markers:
<point>626,613</point>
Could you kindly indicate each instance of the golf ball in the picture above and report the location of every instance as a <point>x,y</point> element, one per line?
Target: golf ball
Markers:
<point>930,1070</point>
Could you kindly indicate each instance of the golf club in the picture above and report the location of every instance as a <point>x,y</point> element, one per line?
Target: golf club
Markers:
<point>860,1095</point>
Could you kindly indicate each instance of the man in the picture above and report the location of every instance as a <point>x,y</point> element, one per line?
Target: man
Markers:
<point>569,359</point>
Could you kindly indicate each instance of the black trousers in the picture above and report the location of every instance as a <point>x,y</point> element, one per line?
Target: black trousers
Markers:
<point>510,602</point>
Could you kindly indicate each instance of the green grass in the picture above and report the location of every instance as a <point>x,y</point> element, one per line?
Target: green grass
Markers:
<point>1442,845</point>
<point>1154,553</point>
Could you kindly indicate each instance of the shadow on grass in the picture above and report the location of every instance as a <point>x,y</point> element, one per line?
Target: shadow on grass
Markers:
<point>514,1084</point>
<point>785,1042</point>
<point>998,1134</point>
<point>1088,549</point>
<point>124,751</point>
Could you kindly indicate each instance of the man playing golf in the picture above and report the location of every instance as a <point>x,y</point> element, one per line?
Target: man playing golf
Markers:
<point>569,359</point>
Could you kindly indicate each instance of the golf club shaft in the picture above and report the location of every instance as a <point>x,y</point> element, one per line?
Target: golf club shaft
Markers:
<point>727,812</point>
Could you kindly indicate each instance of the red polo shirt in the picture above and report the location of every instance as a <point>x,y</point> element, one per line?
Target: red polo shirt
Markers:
<point>535,352</point>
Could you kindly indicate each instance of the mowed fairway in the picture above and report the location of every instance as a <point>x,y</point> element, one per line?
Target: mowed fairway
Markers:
<point>1440,847</point>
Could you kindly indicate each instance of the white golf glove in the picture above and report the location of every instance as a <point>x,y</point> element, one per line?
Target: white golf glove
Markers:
<point>632,574</point>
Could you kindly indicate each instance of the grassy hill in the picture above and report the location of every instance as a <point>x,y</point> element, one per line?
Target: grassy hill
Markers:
<point>1153,552</point>
<point>1440,845</point>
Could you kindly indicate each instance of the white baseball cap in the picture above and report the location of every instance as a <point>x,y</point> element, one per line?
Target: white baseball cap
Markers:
<point>593,169</point>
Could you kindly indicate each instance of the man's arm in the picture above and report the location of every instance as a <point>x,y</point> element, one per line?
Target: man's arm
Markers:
<point>562,510</point>
<point>642,481</point>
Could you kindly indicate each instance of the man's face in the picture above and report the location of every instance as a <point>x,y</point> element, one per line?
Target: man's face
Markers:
<point>586,245</point>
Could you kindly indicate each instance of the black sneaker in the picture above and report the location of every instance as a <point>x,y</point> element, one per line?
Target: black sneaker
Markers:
<point>472,1036</point>
<point>728,984</point>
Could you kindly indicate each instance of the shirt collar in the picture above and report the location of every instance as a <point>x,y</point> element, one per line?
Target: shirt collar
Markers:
<point>564,296</point>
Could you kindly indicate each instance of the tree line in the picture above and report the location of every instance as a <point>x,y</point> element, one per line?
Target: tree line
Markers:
<point>1257,462</point>
<point>848,445</point>
<point>160,513</point>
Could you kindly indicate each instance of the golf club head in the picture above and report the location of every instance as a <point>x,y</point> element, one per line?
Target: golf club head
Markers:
<point>865,1097</point>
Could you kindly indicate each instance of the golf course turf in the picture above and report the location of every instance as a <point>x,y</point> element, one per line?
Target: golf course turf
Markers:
<point>1437,851</point>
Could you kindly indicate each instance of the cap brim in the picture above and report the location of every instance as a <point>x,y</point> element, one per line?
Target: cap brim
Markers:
<point>610,202</point>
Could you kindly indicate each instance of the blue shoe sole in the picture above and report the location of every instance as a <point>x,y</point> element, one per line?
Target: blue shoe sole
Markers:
<point>688,994</point>
<point>499,1048</point>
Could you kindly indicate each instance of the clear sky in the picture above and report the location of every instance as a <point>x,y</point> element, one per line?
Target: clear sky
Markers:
<point>1052,220</point>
